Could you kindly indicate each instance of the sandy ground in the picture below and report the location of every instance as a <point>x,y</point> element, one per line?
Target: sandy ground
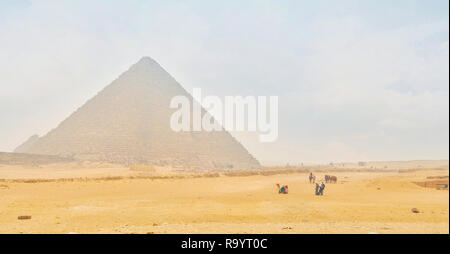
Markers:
<point>361,202</point>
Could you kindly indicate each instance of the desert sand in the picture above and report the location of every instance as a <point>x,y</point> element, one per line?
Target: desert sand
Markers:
<point>111,199</point>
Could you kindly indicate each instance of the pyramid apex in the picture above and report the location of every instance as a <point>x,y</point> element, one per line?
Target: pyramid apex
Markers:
<point>144,65</point>
<point>146,60</point>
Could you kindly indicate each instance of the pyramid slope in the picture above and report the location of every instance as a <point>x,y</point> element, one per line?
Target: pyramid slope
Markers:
<point>27,144</point>
<point>128,122</point>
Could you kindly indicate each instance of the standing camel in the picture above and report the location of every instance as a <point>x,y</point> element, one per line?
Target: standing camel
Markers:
<point>330,179</point>
<point>333,179</point>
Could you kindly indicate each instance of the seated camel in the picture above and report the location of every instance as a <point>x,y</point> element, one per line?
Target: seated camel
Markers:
<point>282,189</point>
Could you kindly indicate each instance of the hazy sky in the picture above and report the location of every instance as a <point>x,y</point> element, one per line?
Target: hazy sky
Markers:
<point>356,80</point>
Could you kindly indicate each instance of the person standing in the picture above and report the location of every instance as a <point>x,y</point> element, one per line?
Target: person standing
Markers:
<point>322,187</point>
<point>317,189</point>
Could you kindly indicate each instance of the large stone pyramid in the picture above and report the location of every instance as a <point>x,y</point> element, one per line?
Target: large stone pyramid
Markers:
<point>128,122</point>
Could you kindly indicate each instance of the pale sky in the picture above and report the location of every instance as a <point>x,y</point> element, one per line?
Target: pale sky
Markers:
<point>356,80</point>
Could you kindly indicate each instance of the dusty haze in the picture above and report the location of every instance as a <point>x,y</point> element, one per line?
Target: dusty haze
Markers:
<point>356,82</point>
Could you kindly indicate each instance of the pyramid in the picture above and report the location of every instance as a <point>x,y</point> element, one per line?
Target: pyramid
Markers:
<point>128,122</point>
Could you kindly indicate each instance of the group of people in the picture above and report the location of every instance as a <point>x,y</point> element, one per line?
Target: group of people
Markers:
<point>312,178</point>
<point>319,189</point>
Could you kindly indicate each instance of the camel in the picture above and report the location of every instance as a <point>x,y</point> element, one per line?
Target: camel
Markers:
<point>283,189</point>
<point>333,179</point>
<point>330,179</point>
